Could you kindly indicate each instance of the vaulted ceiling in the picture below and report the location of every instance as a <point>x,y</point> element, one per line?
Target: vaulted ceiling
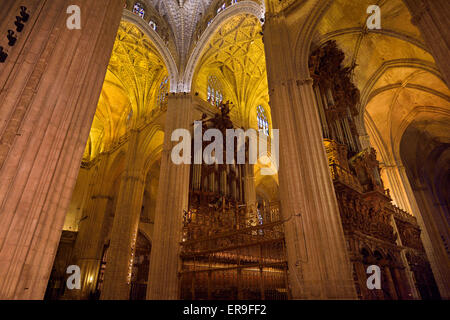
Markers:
<point>235,55</point>
<point>129,92</point>
<point>394,70</point>
<point>183,16</point>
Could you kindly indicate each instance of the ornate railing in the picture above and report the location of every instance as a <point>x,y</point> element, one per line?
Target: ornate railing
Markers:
<point>402,214</point>
<point>235,239</point>
<point>231,253</point>
<point>340,174</point>
<point>245,264</point>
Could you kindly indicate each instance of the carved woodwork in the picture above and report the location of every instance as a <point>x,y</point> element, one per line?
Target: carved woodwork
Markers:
<point>223,238</point>
<point>377,232</point>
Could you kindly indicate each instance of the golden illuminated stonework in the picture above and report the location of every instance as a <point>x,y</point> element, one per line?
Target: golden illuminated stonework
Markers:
<point>130,90</point>
<point>111,190</point>
<point>235,55</point>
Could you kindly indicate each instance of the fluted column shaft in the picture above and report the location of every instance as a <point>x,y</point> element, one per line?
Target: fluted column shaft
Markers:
<point>397,189</point>
<point>173,194</point>
<point>430,235</point>
<point>249,185</point>
<point>89,245</point>
<point>49,88</point>
<point>319,266</point>
<point>116,285</point>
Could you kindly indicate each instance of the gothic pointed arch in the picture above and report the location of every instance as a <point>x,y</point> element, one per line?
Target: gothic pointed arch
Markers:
<point>160,44</point>
<point>239,8</point>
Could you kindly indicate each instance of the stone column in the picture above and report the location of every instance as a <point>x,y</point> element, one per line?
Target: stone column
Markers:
<point>431,17</point>
<point>49,88</point>
<point>91,235</point>
<point>397,189</point>
<point>249,186</point>
<point>173,193</point>
<point>124,232</point>
<point>409,198</point>
<point>431,239</point>
<point>319,266</point>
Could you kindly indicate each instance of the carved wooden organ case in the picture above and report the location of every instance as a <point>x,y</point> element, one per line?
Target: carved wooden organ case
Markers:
<point>373,226</point>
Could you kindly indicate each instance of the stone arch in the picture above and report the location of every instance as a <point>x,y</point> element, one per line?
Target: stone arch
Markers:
<point>117,161</point>
<point>367,93</point>
<point>150,152</point>
<point>309,30</point>
<point>444,113</point>
<point>242,7</point>
<point>167,57</point>
<point>251,115</point>
<point>145,234</point>
<point>387,32</point>
<point>304,38</point>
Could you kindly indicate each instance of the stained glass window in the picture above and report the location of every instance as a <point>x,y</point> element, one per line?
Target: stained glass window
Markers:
<point>139,9</point>
<point>215,95</point>
<point>263,123</point>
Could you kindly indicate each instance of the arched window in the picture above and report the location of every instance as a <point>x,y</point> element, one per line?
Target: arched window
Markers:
<point>263,123</point>
<point>139,9</point>
<point>215,95</point>
<point>162,93</point>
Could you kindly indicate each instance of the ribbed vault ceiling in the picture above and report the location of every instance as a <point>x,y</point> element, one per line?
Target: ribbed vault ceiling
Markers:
<point>394,71</point>
<point>129,92</point>
<point>236,56</point>
<point>183,16</point>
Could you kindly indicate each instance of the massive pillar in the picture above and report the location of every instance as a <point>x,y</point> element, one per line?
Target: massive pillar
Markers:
<point>431,17</point>
<point>124,232</point>
<point>89,244</point>
<point>411,198</point>
<point>49,88</point>
<point>319,267</point>
<point>173,193</point>
<point>425,212</point>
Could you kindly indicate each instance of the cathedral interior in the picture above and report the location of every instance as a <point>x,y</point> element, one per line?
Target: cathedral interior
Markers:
<point>362,177</point>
